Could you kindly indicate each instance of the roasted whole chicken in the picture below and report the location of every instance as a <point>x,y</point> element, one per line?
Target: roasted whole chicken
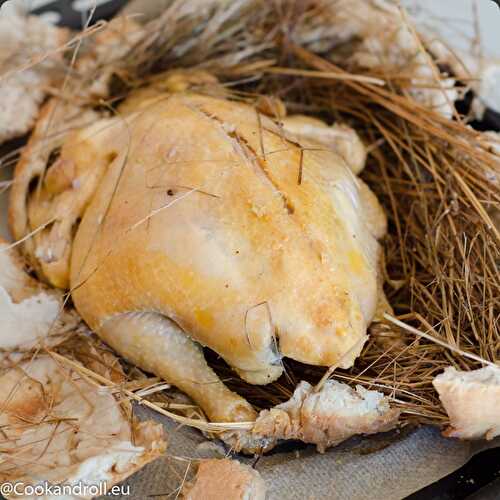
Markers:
<point>187,219</point>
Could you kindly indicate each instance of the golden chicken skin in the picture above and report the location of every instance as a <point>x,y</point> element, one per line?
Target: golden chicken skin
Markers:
<point>187,220</point>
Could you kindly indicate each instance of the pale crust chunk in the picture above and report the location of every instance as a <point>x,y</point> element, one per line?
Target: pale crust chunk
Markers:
<point>324,418</point>
<point>376,34</point>
<point>31,314</point>
<point>25,78</point>
<point>59,427</point>
<point>105,53</point>
<point>225,478</point>
<point>472,401</point>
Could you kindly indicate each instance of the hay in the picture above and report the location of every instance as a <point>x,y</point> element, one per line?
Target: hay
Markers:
<point>436,178</point>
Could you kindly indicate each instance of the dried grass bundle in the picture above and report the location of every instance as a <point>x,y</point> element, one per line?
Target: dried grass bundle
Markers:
<point>436,177</point>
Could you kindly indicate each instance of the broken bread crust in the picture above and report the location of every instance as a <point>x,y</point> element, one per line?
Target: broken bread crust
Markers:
<point>78,431</point>
<point>225,478</point>
<point>472,401</point>
<point>31,314</point>
<point>23,40</point>
<point>324,418</point>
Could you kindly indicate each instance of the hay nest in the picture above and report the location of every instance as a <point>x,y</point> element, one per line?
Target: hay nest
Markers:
<point>436,177</point>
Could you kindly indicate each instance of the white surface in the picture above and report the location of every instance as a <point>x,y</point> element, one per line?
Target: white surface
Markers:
<point>454,20</point>
<point>26,323</point>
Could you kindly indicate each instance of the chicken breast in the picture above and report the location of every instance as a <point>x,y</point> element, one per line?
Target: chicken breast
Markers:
<point>203,222</point>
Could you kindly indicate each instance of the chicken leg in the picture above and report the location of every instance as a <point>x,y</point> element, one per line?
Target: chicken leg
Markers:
<point>156,344</point>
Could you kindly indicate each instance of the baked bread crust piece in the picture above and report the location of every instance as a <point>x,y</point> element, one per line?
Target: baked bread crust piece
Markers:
<point>32,315</point>
<point>30,57</point>
<point>49,410</point>
<point>325,417</point>
<point>225,478</point>
<point>61,428</point>
<point>472,401</point>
